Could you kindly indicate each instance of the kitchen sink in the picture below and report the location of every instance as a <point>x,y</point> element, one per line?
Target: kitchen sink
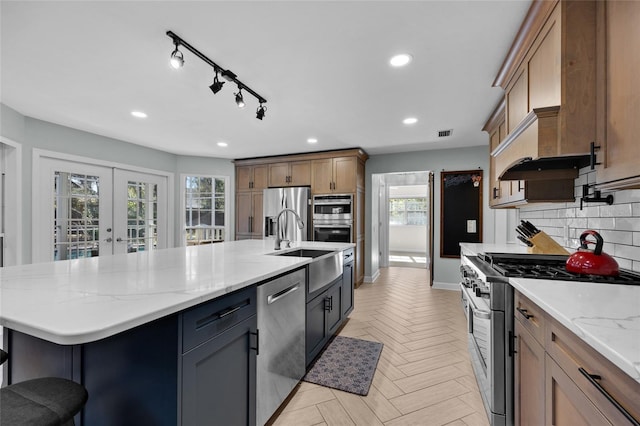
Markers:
<point>305,253</point>
<point>326,267</point>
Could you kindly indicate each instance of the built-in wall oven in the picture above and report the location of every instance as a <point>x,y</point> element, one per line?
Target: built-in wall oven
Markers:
<point>333,218</point>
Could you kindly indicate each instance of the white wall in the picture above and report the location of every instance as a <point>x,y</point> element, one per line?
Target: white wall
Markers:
<point>33,133</point>
<point>445,270</point>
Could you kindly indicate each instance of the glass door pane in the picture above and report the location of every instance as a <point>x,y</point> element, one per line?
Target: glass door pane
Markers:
<point>140,209</point>
<point>76,205</point>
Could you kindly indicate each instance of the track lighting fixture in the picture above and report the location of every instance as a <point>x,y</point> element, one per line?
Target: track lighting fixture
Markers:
<point>217,85</point>
<point>177,61</point>
<point>239,98</point>
<point>260,112</point>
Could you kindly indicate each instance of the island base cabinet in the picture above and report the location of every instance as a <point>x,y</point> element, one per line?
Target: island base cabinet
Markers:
<point>130,377</point>
<point>324,318</point>
<point>219,379</point>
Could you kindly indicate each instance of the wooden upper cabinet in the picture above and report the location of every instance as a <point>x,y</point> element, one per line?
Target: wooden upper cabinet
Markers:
<point>334,175</point>
<point>544,69</point>
<point>551,65</point>
<point>517,101</point>
<point>344,174</point>
<point>300,173</point>
<point>322,176</point>
<point>618,94</point>
<point>295,173</point>
<point>251,178</point>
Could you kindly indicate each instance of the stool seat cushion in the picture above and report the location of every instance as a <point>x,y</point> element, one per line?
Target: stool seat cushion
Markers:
<point>44,401</point>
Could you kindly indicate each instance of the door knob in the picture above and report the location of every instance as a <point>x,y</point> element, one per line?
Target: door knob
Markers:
<point>119,240</point>
<point>108,239</point>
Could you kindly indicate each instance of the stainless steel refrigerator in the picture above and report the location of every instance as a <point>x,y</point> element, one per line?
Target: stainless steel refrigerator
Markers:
<point>295,198</point>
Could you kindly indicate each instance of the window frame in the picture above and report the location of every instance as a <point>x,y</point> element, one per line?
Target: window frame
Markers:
<point>405,210</point>
<point>183,205</point>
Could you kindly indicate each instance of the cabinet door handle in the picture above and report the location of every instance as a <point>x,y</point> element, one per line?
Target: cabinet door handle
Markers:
<point>327,306</point>
<point>519,189</point>
<point>495,193</point>
<point>524,313</point>
<point>257,334</point>
<point>592,378</point>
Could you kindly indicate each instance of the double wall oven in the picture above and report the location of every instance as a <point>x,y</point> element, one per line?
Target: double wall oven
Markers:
<point>333,218</point>
<point>487,299</point>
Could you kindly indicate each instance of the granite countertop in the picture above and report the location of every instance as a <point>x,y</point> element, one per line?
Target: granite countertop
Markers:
<point>83,300</point>
<point>605,316</point>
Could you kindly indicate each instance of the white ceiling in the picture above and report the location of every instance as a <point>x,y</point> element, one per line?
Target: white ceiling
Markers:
<point>321,65</point>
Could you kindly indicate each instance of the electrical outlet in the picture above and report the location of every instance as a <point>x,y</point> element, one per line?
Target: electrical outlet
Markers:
<point>471,226</point>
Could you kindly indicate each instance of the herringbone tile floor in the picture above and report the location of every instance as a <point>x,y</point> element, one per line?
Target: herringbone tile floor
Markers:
<point>424,376</point>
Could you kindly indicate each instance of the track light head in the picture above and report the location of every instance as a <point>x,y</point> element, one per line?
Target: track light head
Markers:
<point>177,59</point>
<point>260,111</point>
<point>239,98</point>
<point>217,85</point>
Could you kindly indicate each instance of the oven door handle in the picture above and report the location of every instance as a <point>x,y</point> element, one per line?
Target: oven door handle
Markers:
<point>480,314</point>
<point>332,226</point>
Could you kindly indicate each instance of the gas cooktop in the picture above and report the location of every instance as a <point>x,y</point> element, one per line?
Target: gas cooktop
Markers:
<point>549,267</point>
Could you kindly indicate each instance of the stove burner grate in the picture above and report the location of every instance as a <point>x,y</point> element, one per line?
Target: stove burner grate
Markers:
<point>549,267</point>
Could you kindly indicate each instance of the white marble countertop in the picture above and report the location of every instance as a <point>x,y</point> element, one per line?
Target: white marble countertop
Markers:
<point>605,316</point>
<point>83,300</point>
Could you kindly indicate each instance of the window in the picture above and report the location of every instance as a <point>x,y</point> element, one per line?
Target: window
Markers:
<point>205,206</point>
<point>408,211</point>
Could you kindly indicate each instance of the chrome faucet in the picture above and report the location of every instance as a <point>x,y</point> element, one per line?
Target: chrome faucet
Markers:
<point>298,220</point>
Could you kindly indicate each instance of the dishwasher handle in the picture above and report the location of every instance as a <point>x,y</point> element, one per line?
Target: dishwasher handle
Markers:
<point>281,294</point>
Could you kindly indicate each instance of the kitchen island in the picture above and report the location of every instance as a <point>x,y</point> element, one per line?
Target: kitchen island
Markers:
<point>117,324</point>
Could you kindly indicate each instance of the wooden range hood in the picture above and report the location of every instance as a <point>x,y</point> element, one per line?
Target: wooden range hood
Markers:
<point>532,151</point>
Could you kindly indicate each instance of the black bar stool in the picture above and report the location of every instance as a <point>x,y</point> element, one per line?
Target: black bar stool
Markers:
<point>44,401</point>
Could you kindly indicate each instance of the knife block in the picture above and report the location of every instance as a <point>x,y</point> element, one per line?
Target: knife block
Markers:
<point>544,244</point>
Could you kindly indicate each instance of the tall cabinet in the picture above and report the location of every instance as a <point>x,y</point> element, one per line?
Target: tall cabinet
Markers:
<point>327,172</point>
<point>250,181</point>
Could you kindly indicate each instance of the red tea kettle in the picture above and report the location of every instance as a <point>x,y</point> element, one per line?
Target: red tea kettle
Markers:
<point>592,262</point>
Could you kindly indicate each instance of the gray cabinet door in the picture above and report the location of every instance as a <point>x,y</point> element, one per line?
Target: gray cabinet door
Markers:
<point>219,379</point>
<point>334,313</point>
<point>347,290</point>
<point>316,334</point>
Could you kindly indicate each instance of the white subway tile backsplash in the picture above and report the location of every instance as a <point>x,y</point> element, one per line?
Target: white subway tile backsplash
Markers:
<point>619,224</point>
<point>629,196</point>
<point>620,237</point>
<point>627,224</point>
<point>626,252</point>
<point>616,210</point>
<point>601,223</point>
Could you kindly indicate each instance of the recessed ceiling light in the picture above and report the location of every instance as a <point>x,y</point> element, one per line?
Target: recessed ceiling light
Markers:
<point>312,140</point>
<point>139,114</point>
<point>410,120</point>
<point>223,144</point>
<point>400,60</point>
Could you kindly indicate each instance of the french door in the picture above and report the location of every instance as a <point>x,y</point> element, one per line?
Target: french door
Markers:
<point>86,210</point>
<point>139,205</point>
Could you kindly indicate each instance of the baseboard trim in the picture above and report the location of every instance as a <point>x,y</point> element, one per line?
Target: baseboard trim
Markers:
<point>368,279</point>
<point>446,286</point>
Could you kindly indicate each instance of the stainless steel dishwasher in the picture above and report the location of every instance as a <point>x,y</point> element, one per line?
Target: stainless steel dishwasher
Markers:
<point>281,356</point>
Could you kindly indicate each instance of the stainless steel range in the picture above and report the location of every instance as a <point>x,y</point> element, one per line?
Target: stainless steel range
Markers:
<point>487,299</point>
